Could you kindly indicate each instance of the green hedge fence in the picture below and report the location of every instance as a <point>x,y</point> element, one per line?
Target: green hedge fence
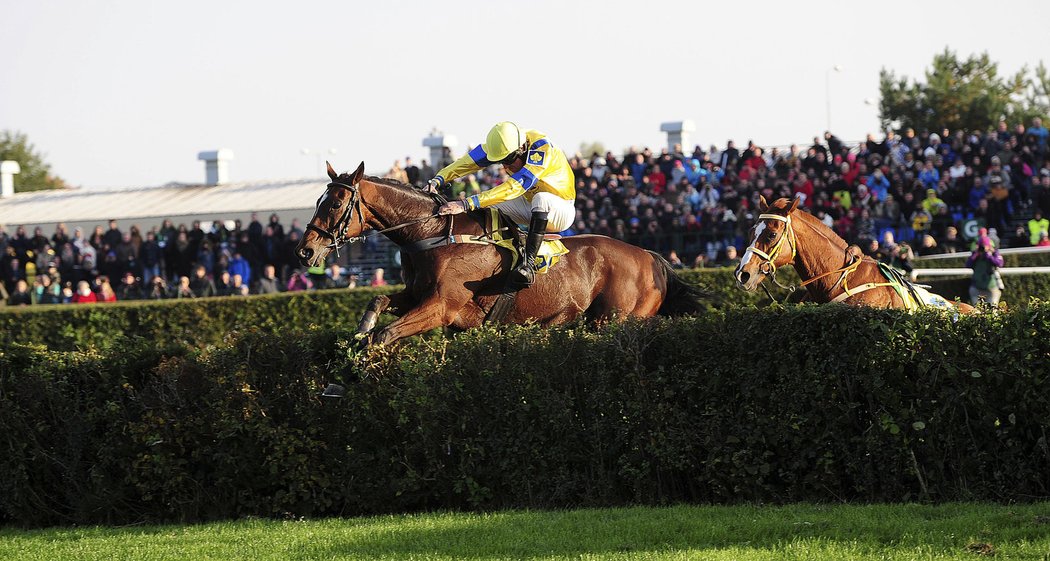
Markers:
<point>771,405</point>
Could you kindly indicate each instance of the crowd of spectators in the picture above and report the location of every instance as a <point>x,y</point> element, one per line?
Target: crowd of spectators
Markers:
<point>895,197</point>
<point>168,261</point>
<point>918,187</point>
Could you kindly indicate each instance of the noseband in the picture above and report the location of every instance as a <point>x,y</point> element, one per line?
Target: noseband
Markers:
<point>338,236</point>
<point>768,266</point>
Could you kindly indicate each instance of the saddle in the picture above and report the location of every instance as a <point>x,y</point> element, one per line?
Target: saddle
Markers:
<point>510,235</point>
<point>500,231</point>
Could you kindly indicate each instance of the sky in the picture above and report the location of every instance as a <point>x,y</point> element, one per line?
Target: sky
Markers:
<point>127,92</point>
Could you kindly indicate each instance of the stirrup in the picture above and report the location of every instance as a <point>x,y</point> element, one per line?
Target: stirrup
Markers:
<point>522,276</point>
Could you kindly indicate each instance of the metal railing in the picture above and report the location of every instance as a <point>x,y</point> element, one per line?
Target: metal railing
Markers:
<point>1005,251</point>
<point>966,272</point>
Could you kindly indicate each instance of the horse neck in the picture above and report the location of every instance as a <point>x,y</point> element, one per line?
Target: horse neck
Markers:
<point>819,250</point>
<point>390,206</point>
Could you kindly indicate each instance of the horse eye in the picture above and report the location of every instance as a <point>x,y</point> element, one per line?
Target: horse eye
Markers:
<point>337,204</point>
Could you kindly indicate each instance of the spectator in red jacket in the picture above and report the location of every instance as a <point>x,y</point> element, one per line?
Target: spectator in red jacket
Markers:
<point>84,295</point>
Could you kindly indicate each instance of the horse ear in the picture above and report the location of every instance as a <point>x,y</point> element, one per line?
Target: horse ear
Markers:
<point>762,204</point>
<point>331,172</point>
<point>794,205</point>
<point>358,174</point>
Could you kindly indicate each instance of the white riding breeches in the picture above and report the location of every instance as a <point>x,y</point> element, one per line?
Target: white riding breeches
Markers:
<point>560,212</point>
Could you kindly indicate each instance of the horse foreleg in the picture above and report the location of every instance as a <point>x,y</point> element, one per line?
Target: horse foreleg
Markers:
<point>435,311</point>
<point>396,303</point>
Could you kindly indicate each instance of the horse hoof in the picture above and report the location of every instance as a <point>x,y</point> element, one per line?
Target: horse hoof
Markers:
<point>334,391</point>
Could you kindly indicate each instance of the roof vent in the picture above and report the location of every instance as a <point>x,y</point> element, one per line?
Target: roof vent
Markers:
<point>216,165</point>
<point>8,169</point>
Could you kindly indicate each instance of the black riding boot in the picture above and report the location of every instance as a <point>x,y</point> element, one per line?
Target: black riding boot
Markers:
<point>525,273</point>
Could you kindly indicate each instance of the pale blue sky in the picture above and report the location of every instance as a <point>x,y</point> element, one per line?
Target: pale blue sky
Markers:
<point>126,92</point>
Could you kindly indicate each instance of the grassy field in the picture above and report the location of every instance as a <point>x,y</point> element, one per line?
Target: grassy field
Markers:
<point>904,532</point>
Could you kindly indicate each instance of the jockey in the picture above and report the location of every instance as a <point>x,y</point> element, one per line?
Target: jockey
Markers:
<point>540,191</point>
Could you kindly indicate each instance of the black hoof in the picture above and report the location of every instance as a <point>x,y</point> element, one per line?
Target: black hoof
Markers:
<point>334,391</point>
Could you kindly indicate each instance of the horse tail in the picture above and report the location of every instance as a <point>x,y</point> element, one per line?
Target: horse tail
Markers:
<point>680,297</point>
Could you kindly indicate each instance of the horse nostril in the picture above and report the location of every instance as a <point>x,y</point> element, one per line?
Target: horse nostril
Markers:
<point>306,253</point>
<point>743,277</point>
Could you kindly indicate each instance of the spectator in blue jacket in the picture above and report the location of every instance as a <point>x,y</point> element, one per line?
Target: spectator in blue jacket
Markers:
<point>694,173</point>
<point>978,192</point>
<point>929,176</point>
<point>638,168</point>
<point>878,185</point>
<point>240,266</point>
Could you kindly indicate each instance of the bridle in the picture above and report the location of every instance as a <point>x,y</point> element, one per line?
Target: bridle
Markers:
<point>768,264</point>
<point>338,235</point>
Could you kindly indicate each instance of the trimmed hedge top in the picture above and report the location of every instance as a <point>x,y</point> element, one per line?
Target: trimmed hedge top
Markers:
<point>211,321</point>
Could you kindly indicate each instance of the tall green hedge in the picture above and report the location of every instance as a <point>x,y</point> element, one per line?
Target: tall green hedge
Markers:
<point>210,321</point>
<point>779,404</point>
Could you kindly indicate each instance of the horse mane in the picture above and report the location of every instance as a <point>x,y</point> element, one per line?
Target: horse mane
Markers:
<point>387,181</point>
<point>403,188</point>
<point>819,227</point>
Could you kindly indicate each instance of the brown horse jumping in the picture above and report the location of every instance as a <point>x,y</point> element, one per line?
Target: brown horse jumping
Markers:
<point>453,277</point>
<point>831,270</point>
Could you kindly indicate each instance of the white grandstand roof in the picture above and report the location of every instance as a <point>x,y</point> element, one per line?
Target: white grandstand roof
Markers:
<point>172,200</point>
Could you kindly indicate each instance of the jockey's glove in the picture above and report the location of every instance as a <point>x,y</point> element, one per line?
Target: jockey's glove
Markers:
<point>432,186</point>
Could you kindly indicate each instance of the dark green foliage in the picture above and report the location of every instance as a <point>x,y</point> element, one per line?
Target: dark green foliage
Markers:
<point>212,321</point>
<point>800,404</point>
<point>195,322</point>
<point>963,94</point>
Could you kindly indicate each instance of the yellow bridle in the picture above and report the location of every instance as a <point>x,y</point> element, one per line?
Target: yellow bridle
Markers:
<point>771,257</point>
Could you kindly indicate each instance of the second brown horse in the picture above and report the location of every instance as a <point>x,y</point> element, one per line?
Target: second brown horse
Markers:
<point>457,284</point>
<point>830,269</point>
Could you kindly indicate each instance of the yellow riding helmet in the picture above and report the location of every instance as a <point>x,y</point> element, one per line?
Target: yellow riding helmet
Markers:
<point>504,138</point>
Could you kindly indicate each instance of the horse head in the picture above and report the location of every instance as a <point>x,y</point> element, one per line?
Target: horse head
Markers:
<point>772,243</point>
<point>337,220</point>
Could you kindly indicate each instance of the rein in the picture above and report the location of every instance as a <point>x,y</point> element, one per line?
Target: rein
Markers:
<point>339,237</point>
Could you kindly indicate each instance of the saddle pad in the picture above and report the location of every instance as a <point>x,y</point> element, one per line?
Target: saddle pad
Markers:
<point>931,300</point>
<point>550,251</point>
<point>914,296</point>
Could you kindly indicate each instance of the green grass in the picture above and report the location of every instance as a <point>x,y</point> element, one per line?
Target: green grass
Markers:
<point>891,532</point>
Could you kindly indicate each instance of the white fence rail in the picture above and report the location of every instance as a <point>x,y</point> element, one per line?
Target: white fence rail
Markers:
<point>964,255</point>
<point>966,272</point>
